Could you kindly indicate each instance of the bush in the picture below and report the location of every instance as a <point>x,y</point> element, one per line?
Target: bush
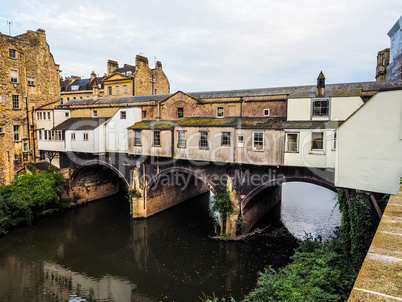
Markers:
<point>26,197</point>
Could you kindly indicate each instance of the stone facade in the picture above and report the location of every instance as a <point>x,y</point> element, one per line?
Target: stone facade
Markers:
<point>29,79</point>
<point>382,63</point>
<point>128,80</point>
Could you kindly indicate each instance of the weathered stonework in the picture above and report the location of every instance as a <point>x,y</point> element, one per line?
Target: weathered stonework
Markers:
<point>29,79</point>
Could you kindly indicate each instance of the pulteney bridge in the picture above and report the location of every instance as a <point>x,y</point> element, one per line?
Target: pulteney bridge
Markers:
<point>161,183</point>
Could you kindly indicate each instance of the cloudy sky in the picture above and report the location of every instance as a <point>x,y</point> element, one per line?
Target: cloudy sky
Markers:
<point>214,45</point>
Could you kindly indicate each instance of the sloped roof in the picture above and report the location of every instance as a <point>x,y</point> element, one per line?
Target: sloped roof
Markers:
<point>277,123</point>
<point>118,99</point>
<point>84,123</point>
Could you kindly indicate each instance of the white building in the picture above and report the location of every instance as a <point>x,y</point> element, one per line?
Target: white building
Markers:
<point>369,151</point>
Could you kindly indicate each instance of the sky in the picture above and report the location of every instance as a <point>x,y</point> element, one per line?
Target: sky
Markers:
<point>207,45</point>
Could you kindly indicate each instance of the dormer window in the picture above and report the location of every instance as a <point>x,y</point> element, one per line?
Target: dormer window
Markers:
<point>75,87</point>
<point>94,113</point>
<point>320,107</point>
<point>129,73</point>
<point>219,111</point>
<point>180,112</point>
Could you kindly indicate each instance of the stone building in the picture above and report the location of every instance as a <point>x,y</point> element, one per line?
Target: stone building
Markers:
<point>382,64</point>
<point>29,78</point>
<point>128,80</point>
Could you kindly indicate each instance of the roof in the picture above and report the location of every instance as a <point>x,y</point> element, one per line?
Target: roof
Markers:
<point>277,123</point>
<point>118,99</point>
<point>81,123</point>
<point>83,84</point>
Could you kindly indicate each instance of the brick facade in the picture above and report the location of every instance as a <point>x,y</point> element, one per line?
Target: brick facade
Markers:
<point>29,78</point>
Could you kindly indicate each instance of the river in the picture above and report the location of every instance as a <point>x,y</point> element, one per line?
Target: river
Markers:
<point>99,253</point>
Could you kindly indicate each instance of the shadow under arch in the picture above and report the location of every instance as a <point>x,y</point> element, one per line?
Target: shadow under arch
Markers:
<point>90,163</point>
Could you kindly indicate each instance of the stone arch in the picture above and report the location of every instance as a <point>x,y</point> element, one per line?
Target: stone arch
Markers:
<point>252,212</point>
<point>89,163</point>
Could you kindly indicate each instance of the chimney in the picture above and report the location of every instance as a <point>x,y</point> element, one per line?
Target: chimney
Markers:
<point>111,66</point>
<point>93,75</point>
<point>320,84</point>
<point>158,65</point>
<point>140,61</point>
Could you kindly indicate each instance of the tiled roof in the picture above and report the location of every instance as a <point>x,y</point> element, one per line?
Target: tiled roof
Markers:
<point>85,123</point>
<point>237,122</point>
<point>118,99</point>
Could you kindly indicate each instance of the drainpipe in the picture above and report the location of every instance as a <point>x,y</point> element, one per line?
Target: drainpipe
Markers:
<point>33,135</point>
<point>241,106</point>
<point>280,148</point>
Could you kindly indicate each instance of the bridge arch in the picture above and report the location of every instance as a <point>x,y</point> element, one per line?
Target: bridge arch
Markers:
<point>90,163</point>
<point>253,210</point>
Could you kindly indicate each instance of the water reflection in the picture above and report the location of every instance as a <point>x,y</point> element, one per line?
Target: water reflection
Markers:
<point>96,252</point>
<point>308,208</point>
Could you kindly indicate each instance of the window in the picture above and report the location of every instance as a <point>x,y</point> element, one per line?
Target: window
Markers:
<point>110,90</point>
<point>26,147</point>
<point>16,102</point>
<point>67,114</point>
<point>137,138</point>
<point>39,116</point>
<point>73,136</point>
<point>31,81</point>
<point>48,115</point>
<point>117,90</point>
<point>80,97</point>
<point>144,114</point>
<point>180,112</point>
<point>14,76</point>
<point>129,72</point>
<point>61,101</point>
<point>317,141</point>
<point>94,113</point>
<point>266,112</point>
<point>225,139</point>
<point>240,141</point>
<point>86,137</point>
<point>292,142</point>
<point>258,141</point>
<point>123,115</point>
<point>181,139</point>
<point>334,140</point>
<point>40,134</point>
<point>74,98</point>
<point>17,133</point>
<point>42,155</point>
<point>219,111</point>
<point>156,138</point>
<point>321,107</point>
<point>1,130</point>
<point>125,89</point>
<point>12,53</point>
<point>203,144</point>
<point>75,87</point>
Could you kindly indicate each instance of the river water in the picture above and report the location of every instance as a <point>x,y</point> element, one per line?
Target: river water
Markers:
<point>99,254</point>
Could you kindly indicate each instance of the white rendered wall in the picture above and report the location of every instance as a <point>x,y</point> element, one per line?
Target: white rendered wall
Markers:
<point>369,152</point>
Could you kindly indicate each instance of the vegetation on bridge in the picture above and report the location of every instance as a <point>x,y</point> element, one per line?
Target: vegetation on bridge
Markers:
<point>28,196</point>
<point>221,203</point>
<point>323,271</point>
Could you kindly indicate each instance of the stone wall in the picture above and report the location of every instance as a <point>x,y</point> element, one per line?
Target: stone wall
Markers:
<point>36,84</point>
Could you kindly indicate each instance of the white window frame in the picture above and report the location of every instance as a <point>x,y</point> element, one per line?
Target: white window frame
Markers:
<point>125,89</point>
<point>94,113</point>
<point>226,139</point>
<point>137,138</point>
<point>314,113</point>
<point>317,150</point>
<point>74,87</point>
<point>72,136</point>
<point>85,136</point>
<point>240,141</point>
<point>255,141</point>
<point>156,138</point>
<point>123,115</point>
<point>31,81</point>
<point>17,133</point>
<point>289,150</point>
<point>14,76</point>
<point>266,112</point>
<point>181,139</point>
<point>220,111</point>
<point>204,141</point>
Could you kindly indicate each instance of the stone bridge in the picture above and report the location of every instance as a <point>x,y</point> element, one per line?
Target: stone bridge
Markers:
<point>160,183</point>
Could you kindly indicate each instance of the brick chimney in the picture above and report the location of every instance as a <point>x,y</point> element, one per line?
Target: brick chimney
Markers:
<point>320,84</point>
<point>111,66</point>
<point>141,61</point>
